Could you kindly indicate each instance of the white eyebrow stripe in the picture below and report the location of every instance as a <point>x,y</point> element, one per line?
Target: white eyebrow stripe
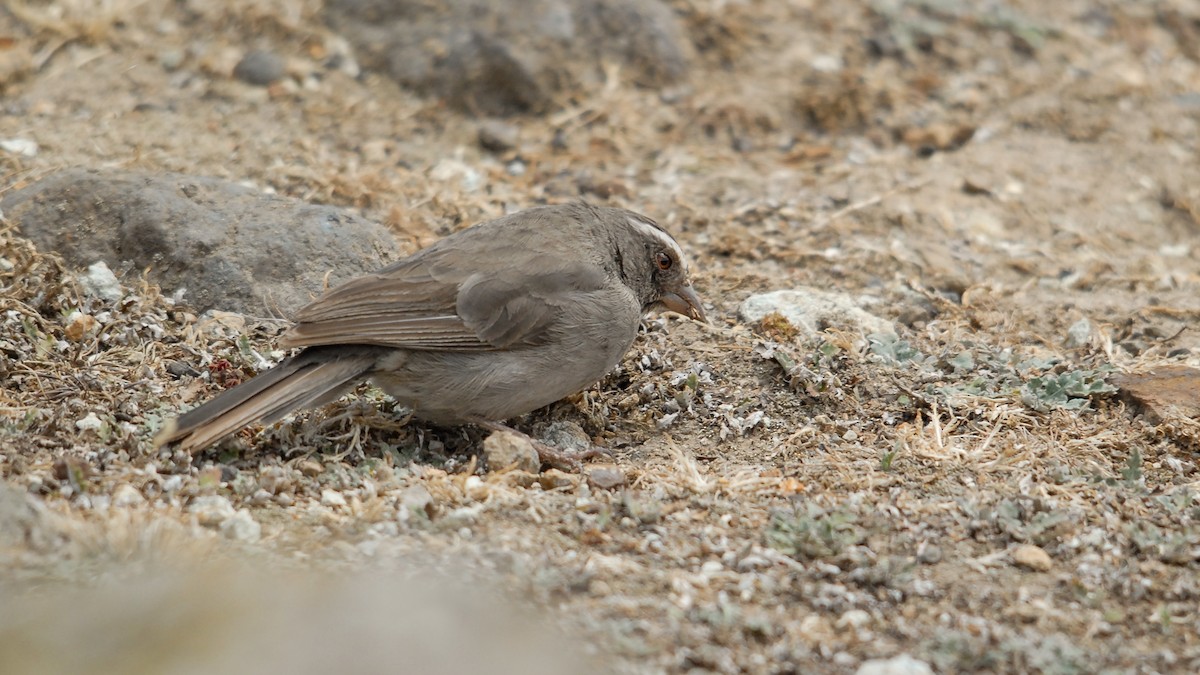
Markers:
<point>666,239</point>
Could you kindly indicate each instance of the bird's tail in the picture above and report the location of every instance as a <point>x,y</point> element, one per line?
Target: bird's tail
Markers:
<point>311,378</point>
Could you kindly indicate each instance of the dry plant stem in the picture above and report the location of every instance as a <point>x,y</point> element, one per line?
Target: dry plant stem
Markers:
<point>566,460</point>
<point>867,203</point>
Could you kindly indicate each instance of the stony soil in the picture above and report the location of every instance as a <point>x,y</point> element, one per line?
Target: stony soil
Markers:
<point>1014,184</point>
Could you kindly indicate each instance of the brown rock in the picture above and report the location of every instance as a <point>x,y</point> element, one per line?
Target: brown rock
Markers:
<point>311,468</point>
<point>604,476</point>
<point>507,450</point>
<point>1167,392</point>
<point>1032,557</point>
<point>553,479</point>
<point>938,137</point>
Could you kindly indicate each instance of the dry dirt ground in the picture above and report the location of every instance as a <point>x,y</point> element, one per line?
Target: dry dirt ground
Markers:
<point>1013,183</point>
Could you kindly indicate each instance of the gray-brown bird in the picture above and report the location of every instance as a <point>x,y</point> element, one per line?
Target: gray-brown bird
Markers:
<point>492,322</point>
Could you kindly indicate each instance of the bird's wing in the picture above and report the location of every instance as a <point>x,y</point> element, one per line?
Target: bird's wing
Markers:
<point>429,302</point>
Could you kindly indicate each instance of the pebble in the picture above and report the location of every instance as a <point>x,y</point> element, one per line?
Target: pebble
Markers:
<point>522,479</point>
<point>449,170</point>
<point>897,665</point>
<point>497,136</point>
<point>211,510</point>
<point>89,422</point>
<point>332,498</point>
<point>416,498</point>
<point>566,435</point>
<point>553,479</point>
<point>604,476</point>
<point>19,146</point>
<point>127,495</point>
<point>1032,557</point>
<point>475,488</point>
<point>171,59</point>
<point>259,68</point>
<point>854,618</point>
<point>100,282</point>
<point>241,526</point>
<point>311,468</point>
<point>178,369</point>
<point>507,450</point>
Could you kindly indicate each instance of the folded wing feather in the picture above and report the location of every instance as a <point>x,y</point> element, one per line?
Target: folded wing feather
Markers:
<point>424,303</point>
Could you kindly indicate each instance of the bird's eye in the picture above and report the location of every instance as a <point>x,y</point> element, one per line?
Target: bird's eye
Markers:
<point>663,260</point>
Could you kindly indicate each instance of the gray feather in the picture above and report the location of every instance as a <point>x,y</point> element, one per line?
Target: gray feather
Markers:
<point>311,378</point>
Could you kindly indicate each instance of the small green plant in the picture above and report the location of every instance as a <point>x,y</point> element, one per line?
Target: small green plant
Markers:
<point>1028,521</point>
<point>1132,473</point>
<point>1164,618</point>
<point>829,350</point>
<point>892,349</point>
<point>885,462</point>
<point>1177,501</point>
<point>963,362</point>
<point>810,532</point>
<point>1176,546</point>
<point>1071,390</point>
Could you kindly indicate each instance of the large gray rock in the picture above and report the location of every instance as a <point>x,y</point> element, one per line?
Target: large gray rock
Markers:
<point>231,247</point>
<point>500,57</point>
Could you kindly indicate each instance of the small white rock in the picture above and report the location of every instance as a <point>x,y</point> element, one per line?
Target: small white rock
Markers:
<point>854,618</point>
<point>241,526</point>
<point>897,665</point>
<point>415,498</point>
<point>211,510</point>
<point>127,495</point>
<point>101,282</point>
<point>451,169</point>
<point>89,422</point>
<point>1166,250</point>
<point>476,488</point>
<point>465,514</point>
<point>1032,557</point>
<point>332,498</point>
<point>827,63</point>
<point>25,147</point>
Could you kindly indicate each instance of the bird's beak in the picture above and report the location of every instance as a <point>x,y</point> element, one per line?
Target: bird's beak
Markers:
<point>686,302</point>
